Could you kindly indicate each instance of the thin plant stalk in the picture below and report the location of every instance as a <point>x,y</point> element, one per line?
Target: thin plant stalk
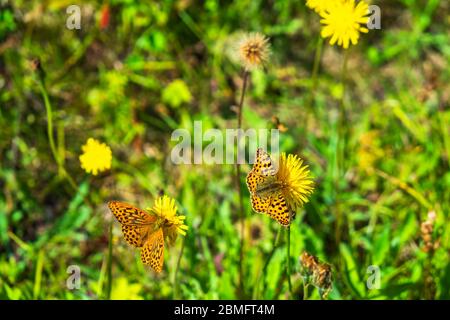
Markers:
<point>341,148</point>
<point>109,266</point>
<point>48,108</point>
<point>38,275</point>
<point>238,184</point>
<point>343,114</point>
<point>289,260</point>
<point>317,58</point>
<point>266,264</point>
<point>177,268</point>
<point>305,289</point>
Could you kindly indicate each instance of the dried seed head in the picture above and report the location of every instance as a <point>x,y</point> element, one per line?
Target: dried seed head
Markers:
<point>426,233</point>
<point>317,273</point>
<point>253,50</point>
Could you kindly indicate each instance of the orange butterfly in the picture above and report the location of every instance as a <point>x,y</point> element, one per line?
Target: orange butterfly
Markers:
<point>140,230</point>
<point>266,192</point>
<point>147,231</point>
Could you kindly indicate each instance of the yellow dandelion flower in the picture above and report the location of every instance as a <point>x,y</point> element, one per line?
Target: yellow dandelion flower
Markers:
<point>96,157</point>
<point>295,180</point>
<point>166,212</point>
<point>123,290</point>
<point>369,150</point>
<point>319,5</point>
<point>343,21</point>
<point>253,50</point>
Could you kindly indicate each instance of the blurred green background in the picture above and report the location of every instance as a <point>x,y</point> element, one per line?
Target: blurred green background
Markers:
<point>155,66</point>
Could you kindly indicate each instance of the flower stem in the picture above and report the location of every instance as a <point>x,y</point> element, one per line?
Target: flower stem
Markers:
<point>305,290</point>
<point>48,108</point>
<point>266,263</point>
<point>289,260</point>
<point>175,276</point>
<point>317,58</point>
<point>238,186</point>
<point>341,145</point>
<point>109,266</point>
<point>241,102</point>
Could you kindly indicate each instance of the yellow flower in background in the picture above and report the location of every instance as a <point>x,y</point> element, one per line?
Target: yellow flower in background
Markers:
<point>319,5</point>
<point>253,50</point>
<point>343,21</point>
<point>166,212</point>
<point>96,157</point>
<point>122,290</point>
<point>369,151</point>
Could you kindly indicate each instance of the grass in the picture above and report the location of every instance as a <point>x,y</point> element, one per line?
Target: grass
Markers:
<point>372,193</point>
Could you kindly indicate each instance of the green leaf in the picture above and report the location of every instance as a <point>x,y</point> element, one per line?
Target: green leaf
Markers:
<point>351,271</point>
<point>381,246</point>
<point>176,93</point>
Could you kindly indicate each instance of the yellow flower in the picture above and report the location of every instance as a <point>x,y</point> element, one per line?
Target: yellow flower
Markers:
<point>343,22</point>
<point>166,212</point>
<point>319,5</point>
<point>122,290</point>
<point>96,157</point>
<point>296,182</point>
<point>369,151</point>
<point>253,50</point>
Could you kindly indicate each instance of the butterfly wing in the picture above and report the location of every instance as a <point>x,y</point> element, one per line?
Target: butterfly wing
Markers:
<point>279,210</point>
<point>263,162</point>
<point>153,251</point>
<point>135,222</point>
<point>260,204</point>
<point>130,215</point>
<point>135,235</point>
<point>275,206</point>
<point>262,173</point>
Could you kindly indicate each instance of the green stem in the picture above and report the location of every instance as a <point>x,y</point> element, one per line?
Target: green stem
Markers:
<point>177,268</point>
<point>38,275</point>
<point>48,108</point>
<point>343,116</point>
<point>444,130</point>
<point>109,267</point>
<point>317,58</point>
<point>289,260</point>
<point>239,188</point>
<point>305,290</point>
<point>341,145</point>
<point>266,263</point>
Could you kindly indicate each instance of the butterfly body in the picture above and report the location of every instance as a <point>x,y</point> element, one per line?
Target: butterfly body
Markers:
<point>268,188</point>
<point>266,192</point>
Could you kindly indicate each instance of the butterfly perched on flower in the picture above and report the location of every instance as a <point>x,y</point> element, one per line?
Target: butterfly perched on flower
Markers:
<point>279,191</point>
<point>148,229</point>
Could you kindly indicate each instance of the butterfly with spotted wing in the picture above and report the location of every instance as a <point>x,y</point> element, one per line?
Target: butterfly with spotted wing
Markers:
<point>266,192</point>
<point>140,230</point>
